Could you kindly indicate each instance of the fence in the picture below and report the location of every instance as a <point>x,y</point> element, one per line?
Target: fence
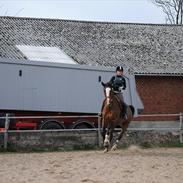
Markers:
<point>97,131</point>
<point>179,128</point>
<point>7,118</point>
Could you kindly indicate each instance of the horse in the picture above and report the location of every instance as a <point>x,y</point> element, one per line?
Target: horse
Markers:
<point>112,116</point>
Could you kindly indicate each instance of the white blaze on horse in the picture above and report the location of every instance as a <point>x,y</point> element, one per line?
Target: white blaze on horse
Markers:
<point>112,116</point>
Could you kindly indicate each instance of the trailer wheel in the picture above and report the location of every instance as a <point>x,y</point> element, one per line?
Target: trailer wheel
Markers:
<point>83,125</point>
<point>51,124</point>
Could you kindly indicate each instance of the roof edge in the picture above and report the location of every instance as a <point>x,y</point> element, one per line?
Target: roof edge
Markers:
<point>86,21</point>
<point>158,74</point>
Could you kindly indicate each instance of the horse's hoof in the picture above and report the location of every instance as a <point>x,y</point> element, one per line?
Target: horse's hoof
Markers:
<point>105,150</point>
<point>114,147</point>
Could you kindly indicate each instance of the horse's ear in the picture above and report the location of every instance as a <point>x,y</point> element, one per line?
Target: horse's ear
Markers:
<point>104,87</point>
<point>103,84</point>
<point>104,91</point>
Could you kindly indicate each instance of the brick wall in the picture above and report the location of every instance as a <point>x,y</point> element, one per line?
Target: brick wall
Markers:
<point>161,95</point>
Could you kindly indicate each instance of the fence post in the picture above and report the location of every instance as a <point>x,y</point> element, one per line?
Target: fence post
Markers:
<point>99,130</point>
<point>181,127</point>
<point>7,121</point>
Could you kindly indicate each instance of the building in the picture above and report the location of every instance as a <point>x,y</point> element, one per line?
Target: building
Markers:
<point>153,53</point>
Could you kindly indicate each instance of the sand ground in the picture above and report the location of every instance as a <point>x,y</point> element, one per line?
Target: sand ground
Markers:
<point>132,165</point>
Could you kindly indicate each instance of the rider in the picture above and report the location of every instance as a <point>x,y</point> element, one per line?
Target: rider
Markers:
<point>118,83</point>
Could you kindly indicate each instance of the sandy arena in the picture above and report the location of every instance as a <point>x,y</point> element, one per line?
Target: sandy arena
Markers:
<point>133,165</point>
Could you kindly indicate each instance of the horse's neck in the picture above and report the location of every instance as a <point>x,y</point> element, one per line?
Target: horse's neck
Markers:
<point>119,102</point>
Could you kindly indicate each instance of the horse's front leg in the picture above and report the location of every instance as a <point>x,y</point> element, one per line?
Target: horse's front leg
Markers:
<point>123,129</point>
<point>108,138</point>
<point>103,133</point>
<point>114,147</point>
<point>106,142</point>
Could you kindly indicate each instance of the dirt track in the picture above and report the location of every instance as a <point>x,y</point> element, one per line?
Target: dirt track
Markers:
<point>133,165</point>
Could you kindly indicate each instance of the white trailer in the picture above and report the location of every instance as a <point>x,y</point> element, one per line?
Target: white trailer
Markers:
<point>56,87</point>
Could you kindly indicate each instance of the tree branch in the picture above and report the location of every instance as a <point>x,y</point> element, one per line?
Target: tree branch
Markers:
<point>172,8</point>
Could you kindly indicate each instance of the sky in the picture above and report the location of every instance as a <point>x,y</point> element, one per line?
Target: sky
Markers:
<point>130,11</point>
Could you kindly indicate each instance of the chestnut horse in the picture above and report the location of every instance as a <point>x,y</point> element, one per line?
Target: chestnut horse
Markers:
<point>112,117</point>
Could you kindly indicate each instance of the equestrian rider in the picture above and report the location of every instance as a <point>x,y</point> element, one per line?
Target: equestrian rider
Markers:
<point>118,83</point>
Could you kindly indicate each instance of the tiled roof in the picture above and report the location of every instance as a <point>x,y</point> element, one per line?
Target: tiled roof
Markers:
<point>142,48</point>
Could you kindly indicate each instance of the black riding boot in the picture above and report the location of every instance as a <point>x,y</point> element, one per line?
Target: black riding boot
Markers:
<point>124,112</point>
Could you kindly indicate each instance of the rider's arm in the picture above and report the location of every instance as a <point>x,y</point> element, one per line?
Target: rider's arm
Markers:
<point>111,82</point>
<point>124,84</point>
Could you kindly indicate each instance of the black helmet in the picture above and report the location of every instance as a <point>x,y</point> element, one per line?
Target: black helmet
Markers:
<point>119,68</point>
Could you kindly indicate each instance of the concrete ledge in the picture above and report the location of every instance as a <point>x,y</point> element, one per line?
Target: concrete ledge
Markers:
<point>32,140</point>
<point>155,124</point>
<point>28,140</point>
<point>150,138</point>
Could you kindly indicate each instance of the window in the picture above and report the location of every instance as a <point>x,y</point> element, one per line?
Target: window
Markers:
<point>47,54</point>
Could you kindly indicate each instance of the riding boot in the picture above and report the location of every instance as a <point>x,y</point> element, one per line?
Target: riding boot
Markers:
<point>124,112</point>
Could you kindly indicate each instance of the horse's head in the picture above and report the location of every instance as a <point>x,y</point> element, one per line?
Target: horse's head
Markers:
<point>109,95</point>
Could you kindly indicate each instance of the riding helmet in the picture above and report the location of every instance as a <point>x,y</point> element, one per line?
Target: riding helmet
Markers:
<point>119,68</point>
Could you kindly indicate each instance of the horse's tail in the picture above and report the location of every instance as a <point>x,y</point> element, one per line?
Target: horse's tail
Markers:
<point>132,109</point>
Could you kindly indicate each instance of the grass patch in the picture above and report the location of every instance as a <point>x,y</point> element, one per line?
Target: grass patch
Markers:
<point>167,144</point>
<point>146,145</point>
<point>86,147</point>
<point>172,144</point>
<point>123,146</point>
